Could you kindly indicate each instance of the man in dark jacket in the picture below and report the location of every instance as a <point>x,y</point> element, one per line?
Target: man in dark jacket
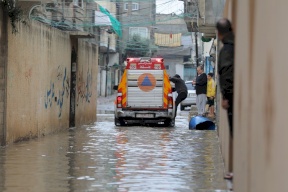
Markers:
<point>201,90</point>
<point>226,77</point>
<point>226,67</point>
<point>181,89</point>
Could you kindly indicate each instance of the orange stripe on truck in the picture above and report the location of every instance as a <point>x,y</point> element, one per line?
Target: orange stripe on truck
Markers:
<point>122,88</point>
<point>167,89</point>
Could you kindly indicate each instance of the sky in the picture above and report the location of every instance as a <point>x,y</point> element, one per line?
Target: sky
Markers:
<point>169,6</point>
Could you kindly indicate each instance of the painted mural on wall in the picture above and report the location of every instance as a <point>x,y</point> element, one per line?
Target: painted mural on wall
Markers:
<point>54,96</point>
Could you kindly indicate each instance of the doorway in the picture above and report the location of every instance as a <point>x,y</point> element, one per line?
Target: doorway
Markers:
<point>73,88</point>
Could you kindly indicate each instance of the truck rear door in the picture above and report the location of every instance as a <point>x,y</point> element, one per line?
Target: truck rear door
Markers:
<point>145,88</point>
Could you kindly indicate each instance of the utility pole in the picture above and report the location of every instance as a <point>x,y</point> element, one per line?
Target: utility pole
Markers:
<point>196,49</point>
<point>107,62</point>
<point>119,44</point>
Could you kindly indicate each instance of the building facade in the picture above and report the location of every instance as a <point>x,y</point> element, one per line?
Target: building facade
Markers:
<point>175,45</point>
<point>109,67</point>
<point>137,18</point>
<point>48,70</point>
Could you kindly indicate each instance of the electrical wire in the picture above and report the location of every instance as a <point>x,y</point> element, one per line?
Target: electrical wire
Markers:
<point>137,22</point>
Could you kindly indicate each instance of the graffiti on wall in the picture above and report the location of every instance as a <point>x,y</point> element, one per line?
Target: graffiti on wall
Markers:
<point>59,97</point>
<point>49,96</point>
<point>84,87</point>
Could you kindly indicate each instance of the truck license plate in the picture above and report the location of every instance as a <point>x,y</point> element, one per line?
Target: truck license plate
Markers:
<point>145,115</point>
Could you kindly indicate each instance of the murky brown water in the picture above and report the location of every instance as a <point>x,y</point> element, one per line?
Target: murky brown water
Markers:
<point>102,157</point>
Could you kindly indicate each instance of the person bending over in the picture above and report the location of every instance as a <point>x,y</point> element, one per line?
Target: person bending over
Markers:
<point>181,89</point>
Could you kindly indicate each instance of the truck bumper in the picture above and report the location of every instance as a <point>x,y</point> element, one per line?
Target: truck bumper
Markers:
<point>148,116</point>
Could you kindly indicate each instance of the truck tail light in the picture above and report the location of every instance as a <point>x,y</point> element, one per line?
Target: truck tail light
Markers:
<point>119,102</point>
<point>170,102</point>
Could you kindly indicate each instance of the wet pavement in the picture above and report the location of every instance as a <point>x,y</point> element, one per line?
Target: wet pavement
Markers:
<point>102,157</point>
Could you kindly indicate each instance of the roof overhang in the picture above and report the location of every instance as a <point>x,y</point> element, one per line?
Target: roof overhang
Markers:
<point>81,34</point>
<point>208,30</point>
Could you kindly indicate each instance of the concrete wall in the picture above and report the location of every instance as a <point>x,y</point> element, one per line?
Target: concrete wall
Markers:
<point>260,158</point>
<point>87,71</point>
<point>37,74</point>
<point>38,82</point>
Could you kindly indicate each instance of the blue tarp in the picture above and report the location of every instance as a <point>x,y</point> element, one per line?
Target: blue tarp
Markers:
<point>115,23</point>
<point>201,123</point>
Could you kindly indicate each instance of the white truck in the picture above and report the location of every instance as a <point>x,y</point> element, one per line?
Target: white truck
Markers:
<point>144,94</point>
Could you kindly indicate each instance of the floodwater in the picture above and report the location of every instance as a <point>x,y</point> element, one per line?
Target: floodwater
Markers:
<point>102,157</point>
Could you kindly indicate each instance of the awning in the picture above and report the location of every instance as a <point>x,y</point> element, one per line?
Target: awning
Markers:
<point>102,19</point>
<point>116,25</point>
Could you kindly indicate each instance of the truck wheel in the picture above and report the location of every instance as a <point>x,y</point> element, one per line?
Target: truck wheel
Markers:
<point>182,107</point>
<point>119,122</point>
<point>116,121</point>
<point>169,122</point>
<point>172,123</point>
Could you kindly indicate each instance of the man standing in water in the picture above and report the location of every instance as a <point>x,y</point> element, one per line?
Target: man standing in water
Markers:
<point>201,90</point>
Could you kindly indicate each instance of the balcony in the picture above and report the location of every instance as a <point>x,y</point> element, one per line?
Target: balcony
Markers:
<point>191,14</point>
<point>202,15</point>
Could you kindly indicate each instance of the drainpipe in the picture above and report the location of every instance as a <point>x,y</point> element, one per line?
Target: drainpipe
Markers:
<point>119,16</point>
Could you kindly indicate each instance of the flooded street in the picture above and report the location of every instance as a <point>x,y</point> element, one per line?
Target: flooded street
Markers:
<point>102,157</point>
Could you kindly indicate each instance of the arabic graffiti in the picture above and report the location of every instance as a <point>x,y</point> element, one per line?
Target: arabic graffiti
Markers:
<point>84,88</point>
<point>67,87</point>
<point>49,96</point>
<point>88,87</point>
<point>59,72</point>
<point>64,87</point>
<point>61,95</point>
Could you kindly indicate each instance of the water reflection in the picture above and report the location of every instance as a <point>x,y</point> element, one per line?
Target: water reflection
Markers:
<point>34,166</point>
<point>102,157</point>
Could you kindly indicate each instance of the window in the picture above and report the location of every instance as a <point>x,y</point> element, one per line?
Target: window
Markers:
<point>134,6</point>
<point>186,58</point>
<point>141,31</point>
